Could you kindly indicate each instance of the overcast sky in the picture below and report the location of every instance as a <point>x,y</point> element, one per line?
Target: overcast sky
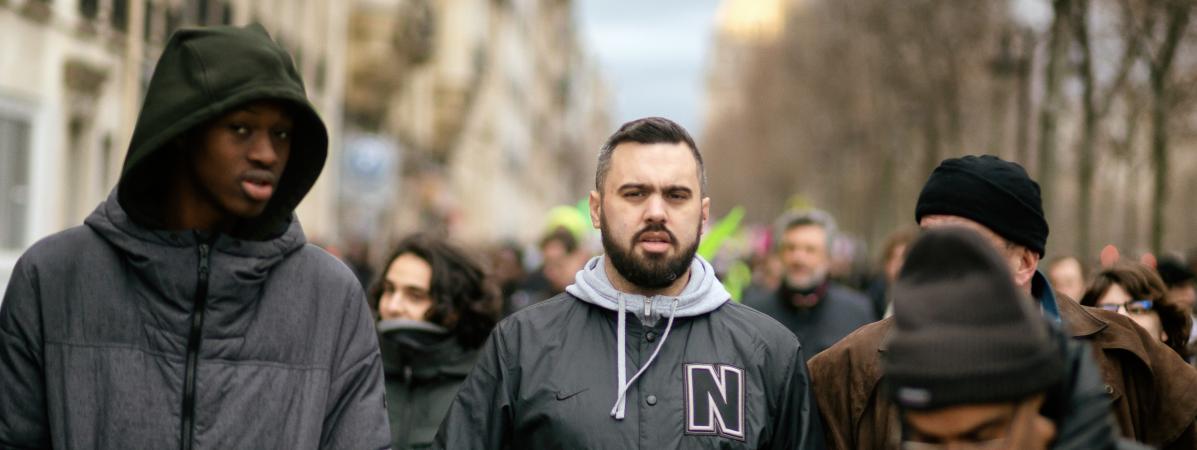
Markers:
<point>653,55</point>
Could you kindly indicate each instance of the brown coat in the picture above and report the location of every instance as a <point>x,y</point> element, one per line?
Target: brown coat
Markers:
<point>1154,390</point>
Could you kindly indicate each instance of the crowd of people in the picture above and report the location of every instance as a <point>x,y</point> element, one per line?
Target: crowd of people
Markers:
<point>190,311</point>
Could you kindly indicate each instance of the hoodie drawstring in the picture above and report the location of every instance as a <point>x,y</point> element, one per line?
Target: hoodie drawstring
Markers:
<point>621,401</point>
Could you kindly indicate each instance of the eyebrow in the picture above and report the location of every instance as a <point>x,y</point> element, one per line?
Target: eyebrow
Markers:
<point>649,187</point>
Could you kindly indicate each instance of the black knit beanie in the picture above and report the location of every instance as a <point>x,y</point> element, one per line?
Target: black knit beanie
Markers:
<point>964,334</point>
<point>995,193</point>
<point>1174,272</point>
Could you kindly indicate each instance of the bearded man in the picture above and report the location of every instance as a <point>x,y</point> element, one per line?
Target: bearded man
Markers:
<point>644,350</point>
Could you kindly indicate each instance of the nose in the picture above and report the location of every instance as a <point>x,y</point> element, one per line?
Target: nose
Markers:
<point>390,307</point>
<point>655,209</point>
<point>264,151</point>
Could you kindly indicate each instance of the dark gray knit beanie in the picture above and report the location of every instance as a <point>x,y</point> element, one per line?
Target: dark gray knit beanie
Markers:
<point>963,332</point>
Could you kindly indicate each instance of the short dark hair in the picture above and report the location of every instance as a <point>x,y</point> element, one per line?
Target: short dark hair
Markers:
<point>1142,283</point>
<point>464,298</point>
<point>562,235</point>
<point>648,130</point>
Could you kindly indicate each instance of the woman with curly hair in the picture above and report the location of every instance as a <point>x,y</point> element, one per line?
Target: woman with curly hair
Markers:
<point>436,307</point>
<point>1136,291</point>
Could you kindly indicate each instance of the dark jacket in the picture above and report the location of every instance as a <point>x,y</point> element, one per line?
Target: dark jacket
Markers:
<point>424,366</point>
<point>1154,393</point>
<point>838,312</point>
<point>118,334</point>
<point>545,380</point>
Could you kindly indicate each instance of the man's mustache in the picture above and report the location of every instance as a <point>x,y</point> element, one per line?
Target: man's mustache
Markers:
<point>656,227</point>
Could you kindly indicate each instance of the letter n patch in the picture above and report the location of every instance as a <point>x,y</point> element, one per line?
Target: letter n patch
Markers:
<point>714,400</point>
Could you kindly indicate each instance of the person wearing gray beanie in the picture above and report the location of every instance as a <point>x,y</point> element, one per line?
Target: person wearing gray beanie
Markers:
<point>967,346</point>
<point>963,333</point>
<point>1152,391</point>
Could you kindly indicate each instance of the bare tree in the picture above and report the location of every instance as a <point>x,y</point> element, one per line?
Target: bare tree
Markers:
<point>1160,59</point>
<point>1049,111</point>
<point>1095,104</point>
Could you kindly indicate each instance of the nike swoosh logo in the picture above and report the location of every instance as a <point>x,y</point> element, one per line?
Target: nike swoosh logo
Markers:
<point>566,396</point>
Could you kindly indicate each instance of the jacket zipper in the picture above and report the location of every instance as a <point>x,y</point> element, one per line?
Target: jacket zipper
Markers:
<point>648,308</point>
<point>193,345</point>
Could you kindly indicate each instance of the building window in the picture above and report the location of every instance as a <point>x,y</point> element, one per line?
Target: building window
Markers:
<point>89,8</point>
<point>120,14</point>
<point>14,181</point>
<point>147,28</point>
<point>202,10</point>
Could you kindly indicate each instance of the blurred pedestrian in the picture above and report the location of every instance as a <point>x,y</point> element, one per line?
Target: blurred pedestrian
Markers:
<point>817,310</point>
<point>188,310</point>
<point>971,363</point>
<point>436,306</point>
<point>644,350</point>
<point>1134,290</point>
<point>357,257</point>
<point>1154,391</point>
<point>561,257</point>
<point>893,253</point>
<point>1179,279</point>
<point>1067,276</point>
<point>507,264</point>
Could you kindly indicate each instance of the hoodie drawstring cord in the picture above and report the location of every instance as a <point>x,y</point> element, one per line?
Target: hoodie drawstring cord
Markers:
<point>621,401</point>
<point>620,342</point>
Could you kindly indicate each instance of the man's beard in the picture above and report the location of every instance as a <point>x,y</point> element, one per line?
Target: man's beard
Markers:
<point>653,272</point>
<point>807,282</point>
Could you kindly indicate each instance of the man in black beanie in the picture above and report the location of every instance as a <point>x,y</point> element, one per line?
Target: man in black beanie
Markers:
<point>1154,392</point>
<point>969,360</point>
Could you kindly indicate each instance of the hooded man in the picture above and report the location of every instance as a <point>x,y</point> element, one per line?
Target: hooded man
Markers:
<point>188,310</point>
<point>1152,391</point>
<point>970,361</point>
<point>644,350</point>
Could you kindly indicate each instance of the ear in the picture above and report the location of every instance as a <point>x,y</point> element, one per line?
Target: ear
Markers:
<point>706,209</point>
<point>596,204</point>
<point>1028,263</point>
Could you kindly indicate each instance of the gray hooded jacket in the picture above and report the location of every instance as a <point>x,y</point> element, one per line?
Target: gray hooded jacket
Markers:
<point>692,371</point>
<point>117,334</point>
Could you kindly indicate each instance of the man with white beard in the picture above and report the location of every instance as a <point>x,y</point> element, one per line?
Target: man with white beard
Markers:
<point>817,310</point>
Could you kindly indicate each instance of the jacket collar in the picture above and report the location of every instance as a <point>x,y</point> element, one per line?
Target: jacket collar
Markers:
<point>1079,321</point>
<point>1041,291</point>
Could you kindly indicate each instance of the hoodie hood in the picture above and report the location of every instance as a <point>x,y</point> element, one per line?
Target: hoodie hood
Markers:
<point>416,350</point>
<point>204,73</point>
<point>703,293</point>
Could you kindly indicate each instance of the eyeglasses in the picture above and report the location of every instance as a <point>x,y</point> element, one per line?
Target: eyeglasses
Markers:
<point>1132,307</point>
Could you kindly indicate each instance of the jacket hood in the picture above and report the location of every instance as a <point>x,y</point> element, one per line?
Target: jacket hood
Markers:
<point>204,73</point>
<point>703,292</point>
<point>418,350</point>
<point>156,248</point>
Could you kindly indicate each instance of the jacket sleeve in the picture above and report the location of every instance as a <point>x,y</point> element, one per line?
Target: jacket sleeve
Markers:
<point>23,420</point>
<point>356,417</point>
<point>797,424</point>
<point>480,416</point>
